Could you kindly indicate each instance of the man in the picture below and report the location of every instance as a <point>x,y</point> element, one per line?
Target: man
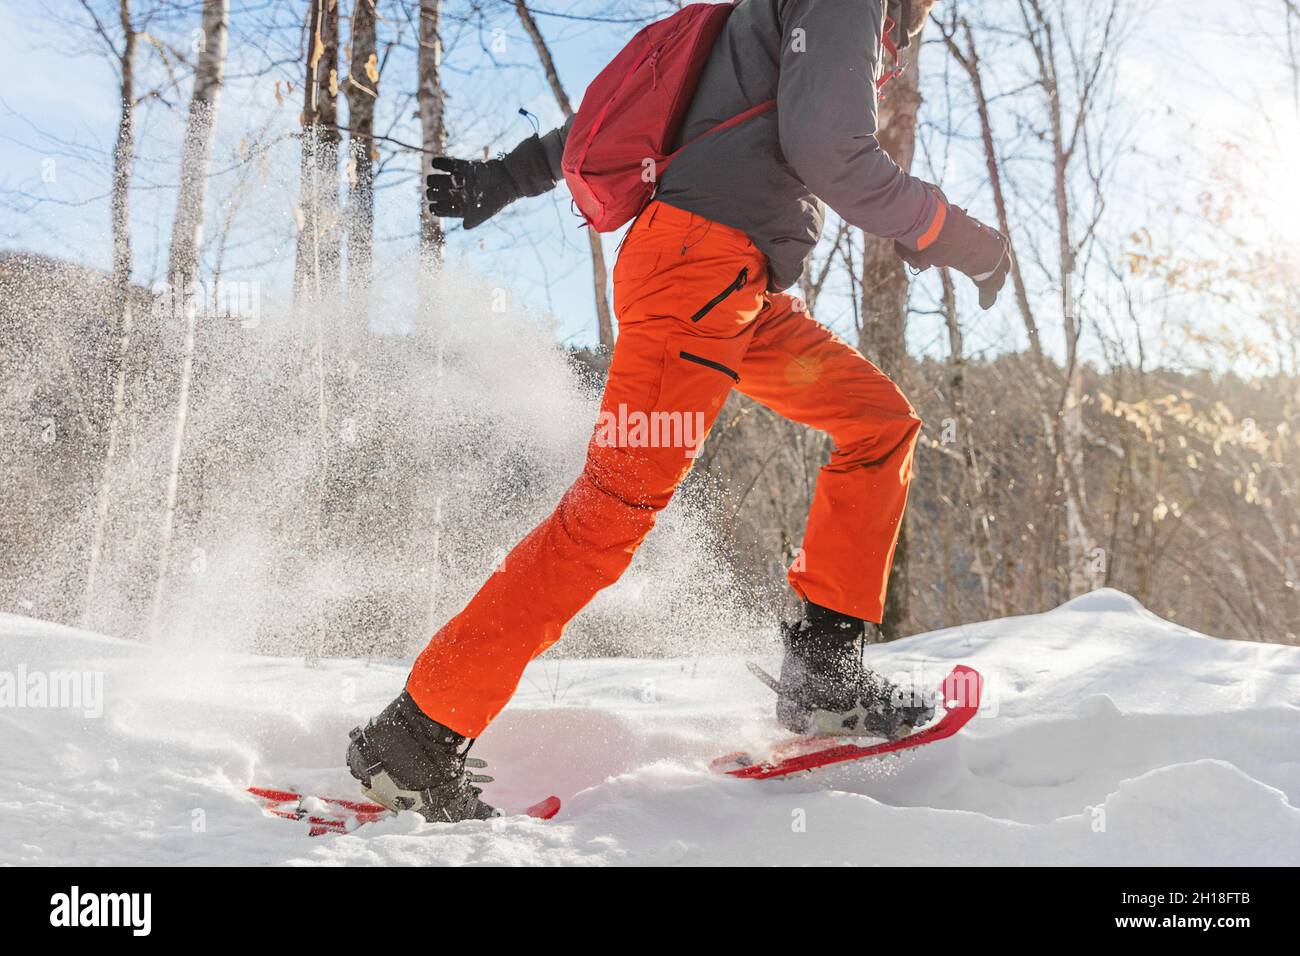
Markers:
<point>698,295</point>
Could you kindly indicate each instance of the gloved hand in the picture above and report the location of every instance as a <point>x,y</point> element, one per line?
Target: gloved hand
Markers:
<point>967,245</point>
<point>470,190</point>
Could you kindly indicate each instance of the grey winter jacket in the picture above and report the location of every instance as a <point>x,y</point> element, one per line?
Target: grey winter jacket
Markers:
<point>770,175</point>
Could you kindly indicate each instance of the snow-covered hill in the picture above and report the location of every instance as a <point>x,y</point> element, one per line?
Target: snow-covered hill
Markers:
<point>1109,736</point>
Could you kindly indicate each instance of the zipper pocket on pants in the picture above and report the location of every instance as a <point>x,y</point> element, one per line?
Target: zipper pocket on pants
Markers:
<point>737,284</point>
<point>709,363</point>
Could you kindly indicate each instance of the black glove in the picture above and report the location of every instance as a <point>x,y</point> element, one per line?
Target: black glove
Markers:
<point>970,247</point>
<point>469,190</point>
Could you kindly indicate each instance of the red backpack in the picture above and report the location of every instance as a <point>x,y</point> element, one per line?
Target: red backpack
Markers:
<point>621,137</point>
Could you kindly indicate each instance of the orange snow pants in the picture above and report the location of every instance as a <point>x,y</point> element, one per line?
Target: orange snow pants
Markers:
<point>695,321</point>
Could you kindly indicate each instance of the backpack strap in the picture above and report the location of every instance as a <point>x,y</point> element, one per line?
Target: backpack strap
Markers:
<point>892,48</point>
<point>758,110</point>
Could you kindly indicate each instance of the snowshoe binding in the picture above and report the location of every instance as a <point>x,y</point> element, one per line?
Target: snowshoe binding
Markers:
<point>408,761</point>
<point>825,690</point>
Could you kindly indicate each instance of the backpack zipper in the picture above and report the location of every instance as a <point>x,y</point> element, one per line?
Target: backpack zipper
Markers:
<point>737,284</point>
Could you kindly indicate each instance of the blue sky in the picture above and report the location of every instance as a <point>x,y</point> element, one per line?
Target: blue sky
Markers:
<point>1196,74</point>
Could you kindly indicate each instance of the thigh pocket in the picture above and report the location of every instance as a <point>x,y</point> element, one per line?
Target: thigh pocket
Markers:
<point>698,374</point>
<point>663,394</point>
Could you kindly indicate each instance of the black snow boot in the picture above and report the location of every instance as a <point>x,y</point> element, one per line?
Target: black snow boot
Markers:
<point>824,690</point>
<point>407,761</point>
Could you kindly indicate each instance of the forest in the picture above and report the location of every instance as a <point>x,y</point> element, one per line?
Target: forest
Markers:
<point>249,384</point>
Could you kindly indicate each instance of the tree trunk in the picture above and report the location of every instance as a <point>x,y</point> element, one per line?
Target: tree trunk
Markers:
<point>1040,33</point>
<point>884,303</point>
<point>183,262</point>
<point>599,274</point>
<point>317,260</point>
<point>431,99</point>
<point>362,91</point>
<point>1080,541</point>
<point>316,273</point>
<point>975,498</point>
<point>196,158</point>
<point>120,301</point>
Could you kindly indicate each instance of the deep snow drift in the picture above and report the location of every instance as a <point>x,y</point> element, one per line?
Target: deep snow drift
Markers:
<point>1108,736</point>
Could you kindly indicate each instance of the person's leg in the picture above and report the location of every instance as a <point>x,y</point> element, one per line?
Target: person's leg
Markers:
<point>801,370</point>
<point>671,371</point>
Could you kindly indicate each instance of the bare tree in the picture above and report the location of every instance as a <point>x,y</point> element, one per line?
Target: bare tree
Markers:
<point>974,493</point>
<point>196,151</point>
<point>316,273</point>
<point>1069,58</point>
<point>431,99</point>
<point>183,262</point>
<point>317,259</point>
<point>362,91</point>
<point>121,318</point>
<point>1070,71</point>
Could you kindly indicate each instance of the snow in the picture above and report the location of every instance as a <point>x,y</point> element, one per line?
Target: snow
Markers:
<point>1108,736</point>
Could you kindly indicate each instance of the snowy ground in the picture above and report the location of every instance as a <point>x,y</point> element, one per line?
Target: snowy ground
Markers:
<point>1109,736</point>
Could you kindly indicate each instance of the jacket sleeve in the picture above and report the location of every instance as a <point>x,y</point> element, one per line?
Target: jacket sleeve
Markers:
<point>534,164</point>
<point>826,109</point>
